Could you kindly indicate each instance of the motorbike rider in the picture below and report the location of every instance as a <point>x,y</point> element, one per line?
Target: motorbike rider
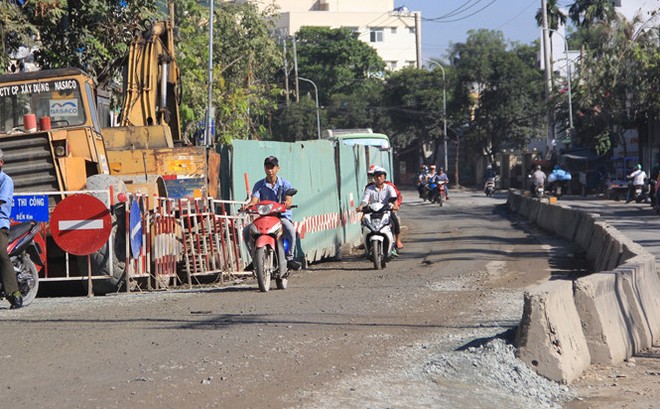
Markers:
<point>399,198</point>
<point>6,268</point>
<point>538,178</point>
<point>638,176</point>
<point>559,177</point>
<point>440,178</point>
<point>421,179</point>
<point>382,192</point>
<point>489,173</point>
<point>273,188</point>
<point>653,184</point>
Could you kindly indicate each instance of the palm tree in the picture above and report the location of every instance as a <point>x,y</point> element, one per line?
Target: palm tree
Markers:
<point>586,13</point>
<point>555,16</point>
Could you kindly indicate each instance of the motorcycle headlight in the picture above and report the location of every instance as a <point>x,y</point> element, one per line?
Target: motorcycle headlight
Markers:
<point>264,209</point>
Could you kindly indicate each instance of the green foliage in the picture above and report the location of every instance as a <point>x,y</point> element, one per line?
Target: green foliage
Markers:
<point>505,89</point>
<point>335,59</point>
<point>93,35</point>
<point>245,58</point>
<point>618,83</point>
<point>15,31</point>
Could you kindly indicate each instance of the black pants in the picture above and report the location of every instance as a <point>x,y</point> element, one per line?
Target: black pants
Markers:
<point>6,268</point>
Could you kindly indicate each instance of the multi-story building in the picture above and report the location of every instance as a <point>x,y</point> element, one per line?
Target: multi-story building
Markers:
<point>394,33</point>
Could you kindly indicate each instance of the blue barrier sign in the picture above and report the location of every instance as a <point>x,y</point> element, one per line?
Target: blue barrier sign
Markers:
<point>30,208</point>
<point>135,222</point>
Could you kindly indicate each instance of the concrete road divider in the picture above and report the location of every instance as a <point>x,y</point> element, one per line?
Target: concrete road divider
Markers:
<point>602,318</point>
<point>549,338</point>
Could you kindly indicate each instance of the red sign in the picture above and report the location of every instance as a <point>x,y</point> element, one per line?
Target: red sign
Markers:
<point>80,224</point>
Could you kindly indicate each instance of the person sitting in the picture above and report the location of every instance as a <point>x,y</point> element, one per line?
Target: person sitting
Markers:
<point>381,191</point>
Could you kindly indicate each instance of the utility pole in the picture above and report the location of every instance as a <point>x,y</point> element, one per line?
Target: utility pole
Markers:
<point>295,68</point>
<point>548,76</point>
<point>208,134</point>
<point>418,38</point>
<point>286,71</point>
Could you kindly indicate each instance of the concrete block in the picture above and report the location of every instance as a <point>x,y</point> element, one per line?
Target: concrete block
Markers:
<point>584,230</point>
<point>598,299</point>
<point>550,338</point>
<point>567,222</point>
<point>637,324</point>
<point>646,287</point>
<point>597,242</point>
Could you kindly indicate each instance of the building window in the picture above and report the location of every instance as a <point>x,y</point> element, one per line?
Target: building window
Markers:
<point>393,30</point>
<point>411,63</point>
<point>391,65</point>
<point>411,30</point>
<point>376,35</point>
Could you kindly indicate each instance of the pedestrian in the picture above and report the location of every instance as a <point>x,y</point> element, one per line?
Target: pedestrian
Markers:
<point>273,188</point>
<point>6,268</point>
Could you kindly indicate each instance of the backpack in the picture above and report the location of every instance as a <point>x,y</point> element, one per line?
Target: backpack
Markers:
<point>399,197</point>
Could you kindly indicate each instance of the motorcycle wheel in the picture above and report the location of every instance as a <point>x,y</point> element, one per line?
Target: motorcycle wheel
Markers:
<point>263,268</point>
<point>441,199</point>
<point>28,281</point>
<point>377,253</point>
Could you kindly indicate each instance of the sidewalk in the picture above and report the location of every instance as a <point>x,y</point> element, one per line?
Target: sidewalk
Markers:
<point>637,221</point>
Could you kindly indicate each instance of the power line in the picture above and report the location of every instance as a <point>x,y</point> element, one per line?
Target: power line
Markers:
<point>439,20</point>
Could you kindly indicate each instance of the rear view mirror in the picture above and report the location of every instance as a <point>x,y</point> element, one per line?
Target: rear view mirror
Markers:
<point>291,192</point>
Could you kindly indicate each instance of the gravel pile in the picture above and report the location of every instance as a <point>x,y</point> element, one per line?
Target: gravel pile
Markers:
<point>493,372</point>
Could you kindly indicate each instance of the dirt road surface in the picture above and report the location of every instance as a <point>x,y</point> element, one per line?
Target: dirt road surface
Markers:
<point>429,331</point>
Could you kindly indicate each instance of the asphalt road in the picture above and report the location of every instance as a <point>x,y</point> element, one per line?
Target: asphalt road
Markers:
<point>341,336</point>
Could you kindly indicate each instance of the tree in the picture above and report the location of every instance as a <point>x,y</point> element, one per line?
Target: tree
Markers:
<point>15,31</point>
<point>245,59</point>
<point>555,16</point>
<point>336,60</point>
<point>93,35</point>
<point>586,13</point>
<point>618,84</point>
<point>505,91</point>
<point>413,98</point>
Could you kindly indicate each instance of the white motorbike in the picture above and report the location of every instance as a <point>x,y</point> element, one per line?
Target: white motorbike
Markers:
<point>377,233</point>
<point>489,186</point>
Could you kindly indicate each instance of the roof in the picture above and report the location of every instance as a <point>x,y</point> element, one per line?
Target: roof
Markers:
<point>42,74</point>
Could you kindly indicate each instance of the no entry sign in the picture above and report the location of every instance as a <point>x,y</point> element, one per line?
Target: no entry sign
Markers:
<point>80,224</point>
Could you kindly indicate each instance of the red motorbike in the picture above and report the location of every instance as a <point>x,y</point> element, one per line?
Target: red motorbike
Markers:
<point>267,243</point>
<point>441,194</point>
<point>26,250</point>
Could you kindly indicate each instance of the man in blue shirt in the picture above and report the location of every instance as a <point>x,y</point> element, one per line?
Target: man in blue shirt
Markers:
<point>6,269</point>
<point>274,188</point>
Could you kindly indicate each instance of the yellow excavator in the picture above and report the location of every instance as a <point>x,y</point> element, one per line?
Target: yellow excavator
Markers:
<point>52,136</point>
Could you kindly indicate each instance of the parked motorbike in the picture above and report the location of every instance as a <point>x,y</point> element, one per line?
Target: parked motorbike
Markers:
<point>26,252</point>
<point>489,187</point>
<point>268,243</point>
<point>377,233</point>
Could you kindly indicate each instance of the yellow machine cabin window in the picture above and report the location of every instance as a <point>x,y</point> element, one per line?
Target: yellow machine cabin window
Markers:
<point>60,100</point>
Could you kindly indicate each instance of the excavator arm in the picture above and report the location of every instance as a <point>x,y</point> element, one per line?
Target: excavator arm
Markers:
<point>152,81</point>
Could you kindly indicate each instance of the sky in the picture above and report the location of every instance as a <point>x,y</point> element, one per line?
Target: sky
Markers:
<point>515,18</point>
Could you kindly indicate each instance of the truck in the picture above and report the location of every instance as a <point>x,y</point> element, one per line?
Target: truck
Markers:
<point>53,135</point>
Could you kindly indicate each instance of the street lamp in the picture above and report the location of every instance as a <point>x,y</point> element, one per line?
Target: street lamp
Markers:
<point>444,108</point>
<point>318,120</point>
<point>568,76</point>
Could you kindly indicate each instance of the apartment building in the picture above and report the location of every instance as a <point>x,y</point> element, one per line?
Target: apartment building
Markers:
<point>394,33</point>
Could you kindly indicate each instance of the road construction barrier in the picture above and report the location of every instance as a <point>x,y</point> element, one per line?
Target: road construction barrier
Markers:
<point>168,242</point>
<point>615,311</point>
